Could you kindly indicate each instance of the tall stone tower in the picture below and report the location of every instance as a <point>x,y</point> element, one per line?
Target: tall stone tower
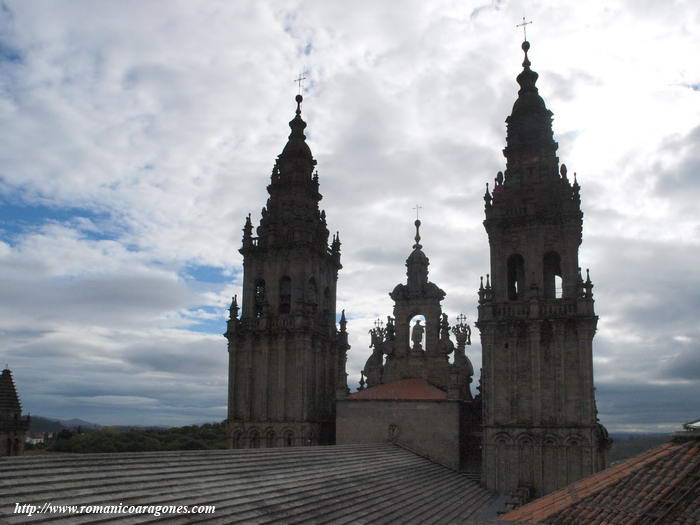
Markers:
<point>536,317</point>
<point>13,426</point>
<point>286,358</point>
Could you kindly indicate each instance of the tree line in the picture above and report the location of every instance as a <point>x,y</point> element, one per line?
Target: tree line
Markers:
<point>192,437</point>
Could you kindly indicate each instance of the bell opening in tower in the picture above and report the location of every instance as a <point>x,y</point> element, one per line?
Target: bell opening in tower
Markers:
<point>552,280</point>
<point>285,295</point>
<point>516,276</point>
<point>259,297</point>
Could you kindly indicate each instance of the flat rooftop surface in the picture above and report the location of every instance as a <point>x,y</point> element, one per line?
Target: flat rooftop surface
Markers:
<point>332,484</point>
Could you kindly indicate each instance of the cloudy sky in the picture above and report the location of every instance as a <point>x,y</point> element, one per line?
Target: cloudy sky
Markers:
<point>136,136</point>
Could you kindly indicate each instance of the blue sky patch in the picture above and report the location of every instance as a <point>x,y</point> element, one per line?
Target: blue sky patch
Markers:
<point>9,53</point>
<point>17,218</point>
<point>214,325</point>
<point>209,274</point>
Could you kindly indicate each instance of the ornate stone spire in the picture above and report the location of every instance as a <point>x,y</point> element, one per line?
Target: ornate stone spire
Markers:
<point>233,309</point>
<point>417,263</point>
<point>292,214</point>
<point>417,272</point>
<point>343,322</point>
<point>297,146</point>
<point>531,149</point>
<point>527,78</point>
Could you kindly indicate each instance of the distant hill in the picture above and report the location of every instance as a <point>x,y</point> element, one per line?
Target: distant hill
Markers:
<point>627,445</point>
<point>45,424</point>
<point>48,424</point>
<point>42,424</point>
<point>75,422</point>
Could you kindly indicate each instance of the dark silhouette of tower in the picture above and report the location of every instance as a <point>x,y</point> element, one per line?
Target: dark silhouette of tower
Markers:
<point>13,426</point>
<point>536,316</point>
<point>286,358</point>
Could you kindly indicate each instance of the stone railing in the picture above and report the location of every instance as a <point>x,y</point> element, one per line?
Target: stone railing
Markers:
<point>536,309</point>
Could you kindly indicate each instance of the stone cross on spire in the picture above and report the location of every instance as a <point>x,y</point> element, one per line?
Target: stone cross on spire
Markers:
<point>417,208</point>
<point>300,79</point>
<point>524,26</point>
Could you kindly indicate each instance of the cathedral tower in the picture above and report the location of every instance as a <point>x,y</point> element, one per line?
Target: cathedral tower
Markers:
<point>286,358</point>
<point>536,316</point>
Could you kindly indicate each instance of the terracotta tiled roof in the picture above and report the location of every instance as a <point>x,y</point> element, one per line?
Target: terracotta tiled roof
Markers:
<point>414,389</point>
<point>9,402</point>
<point>660,486</point>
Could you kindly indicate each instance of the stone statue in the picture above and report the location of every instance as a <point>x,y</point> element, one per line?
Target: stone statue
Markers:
<point>390,336</point>
<point>390,328</point>
<point>374,365</point>
<point>444,327</point>
<point>417,335</point>
<point>376,337</point>
<point>446,345</point>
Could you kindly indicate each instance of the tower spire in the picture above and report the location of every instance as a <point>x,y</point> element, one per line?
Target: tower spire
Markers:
<point>417,262</point>
<point>290,275</point>
<point>530,147</point>
<point>418,245</point>
<point>296,145</point>
<point>527,78</point>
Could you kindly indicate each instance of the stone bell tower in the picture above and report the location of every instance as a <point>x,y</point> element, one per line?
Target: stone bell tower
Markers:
<point>414,395</point>
<point>536,317</point>
<point>406,355</point>
<point>286,357</point>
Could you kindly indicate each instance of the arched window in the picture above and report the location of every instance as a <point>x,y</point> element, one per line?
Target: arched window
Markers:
<point>288,438</point>
<point>312,291</point>
<point>285,295</point>
<point>254,439</point>
<point>270,439</point>
<point>236,440</point>
<point>550,460</point>
<point>259,297</point>
<point>516,276</point>
<point>574,458</point>
<point>525,460</point>
<point>551,267</point>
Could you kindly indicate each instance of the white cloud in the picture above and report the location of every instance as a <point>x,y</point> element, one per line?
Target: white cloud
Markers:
<point>163,119</point>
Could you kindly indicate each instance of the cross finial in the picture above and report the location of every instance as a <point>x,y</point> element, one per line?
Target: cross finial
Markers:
<point>418,208</point>
<point>300,79</point>
<point>524,26</point>
<point>378,323</point>
<point>461,318</point>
